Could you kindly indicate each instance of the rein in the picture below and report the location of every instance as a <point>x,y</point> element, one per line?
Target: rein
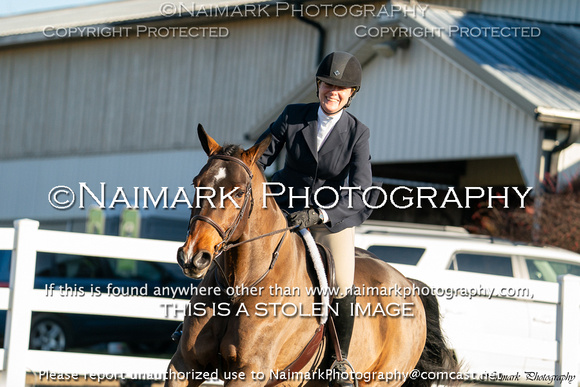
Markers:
<point>275,254</point>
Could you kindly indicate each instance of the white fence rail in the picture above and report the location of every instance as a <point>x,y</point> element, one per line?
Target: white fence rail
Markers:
<point>562,350</point>
<point>567,332</point>
<point>21,299</point>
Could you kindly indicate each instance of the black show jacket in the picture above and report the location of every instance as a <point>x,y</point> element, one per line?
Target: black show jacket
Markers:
<point>343,161</point>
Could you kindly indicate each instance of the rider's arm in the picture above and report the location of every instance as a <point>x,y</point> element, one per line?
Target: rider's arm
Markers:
<point>278,131</point>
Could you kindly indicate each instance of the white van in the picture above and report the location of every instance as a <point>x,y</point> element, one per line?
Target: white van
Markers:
<point>498,298</point>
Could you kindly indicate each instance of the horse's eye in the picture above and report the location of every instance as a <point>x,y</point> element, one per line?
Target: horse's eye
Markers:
<point>240,194</point>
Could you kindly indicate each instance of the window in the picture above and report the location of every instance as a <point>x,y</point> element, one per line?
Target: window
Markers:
<point>69,266</point>
<point>79,266</point>
<point>397,254</point>
<point>130,269</point>
<point>482,263</point>
<point>542,270</point>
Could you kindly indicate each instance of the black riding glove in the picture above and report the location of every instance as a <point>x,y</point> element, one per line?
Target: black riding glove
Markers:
<point>304,219</point>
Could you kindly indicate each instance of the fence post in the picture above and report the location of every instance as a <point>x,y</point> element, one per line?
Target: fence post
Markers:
<point>22,270</point>
<point>568,329</point>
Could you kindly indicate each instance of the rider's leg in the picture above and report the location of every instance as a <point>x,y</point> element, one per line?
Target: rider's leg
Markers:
<point>341,245</point>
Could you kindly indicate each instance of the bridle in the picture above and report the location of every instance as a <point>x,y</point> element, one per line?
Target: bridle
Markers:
<point>227,234</point>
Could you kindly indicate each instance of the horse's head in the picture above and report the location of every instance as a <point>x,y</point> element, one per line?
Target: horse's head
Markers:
<point>222,204</point>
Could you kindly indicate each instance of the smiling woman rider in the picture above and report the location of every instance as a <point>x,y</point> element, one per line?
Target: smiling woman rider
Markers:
<point>327,147</point>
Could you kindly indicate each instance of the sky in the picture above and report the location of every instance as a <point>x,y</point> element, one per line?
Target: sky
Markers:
<point>18,7</point>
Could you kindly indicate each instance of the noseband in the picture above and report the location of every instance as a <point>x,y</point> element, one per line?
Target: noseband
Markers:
<point>227,234</point>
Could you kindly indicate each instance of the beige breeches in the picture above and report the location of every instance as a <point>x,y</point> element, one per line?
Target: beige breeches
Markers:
<point>341,245</point>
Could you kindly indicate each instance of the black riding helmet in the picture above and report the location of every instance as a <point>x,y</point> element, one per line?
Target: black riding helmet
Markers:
<point>340,69</point>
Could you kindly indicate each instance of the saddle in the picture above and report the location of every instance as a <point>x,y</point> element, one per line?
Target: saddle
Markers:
<point>329,268</point>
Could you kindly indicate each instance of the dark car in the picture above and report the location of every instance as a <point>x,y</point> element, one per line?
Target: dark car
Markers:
<point>60,331</point>
<point>4,281</point>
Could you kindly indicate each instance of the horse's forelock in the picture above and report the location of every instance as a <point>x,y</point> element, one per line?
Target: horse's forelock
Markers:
<point>231,150</point>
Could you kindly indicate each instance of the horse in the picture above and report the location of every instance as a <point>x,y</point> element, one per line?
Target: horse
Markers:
<point>261,316</point>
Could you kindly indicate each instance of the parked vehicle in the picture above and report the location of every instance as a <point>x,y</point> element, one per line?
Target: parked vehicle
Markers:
<point>4,278</point>
<point>59,331</point>
<point>498,298</point>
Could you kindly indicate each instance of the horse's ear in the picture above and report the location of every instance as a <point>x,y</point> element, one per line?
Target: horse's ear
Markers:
<point>209,145</point>
<point>251,155</point>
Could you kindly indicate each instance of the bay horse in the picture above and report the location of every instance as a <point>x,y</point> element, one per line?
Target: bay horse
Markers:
<point>268,318</point>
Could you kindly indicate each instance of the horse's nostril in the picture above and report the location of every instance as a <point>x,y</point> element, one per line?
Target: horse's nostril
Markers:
<point>180,257</point>
<point>201,259</point>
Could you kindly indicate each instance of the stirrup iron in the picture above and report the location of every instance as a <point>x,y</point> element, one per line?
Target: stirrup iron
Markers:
<point>345,363</point>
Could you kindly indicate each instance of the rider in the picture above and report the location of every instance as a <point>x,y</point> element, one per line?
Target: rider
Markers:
<point>327,148</point>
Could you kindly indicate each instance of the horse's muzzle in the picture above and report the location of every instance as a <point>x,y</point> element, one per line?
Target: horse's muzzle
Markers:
<point>196,266</point>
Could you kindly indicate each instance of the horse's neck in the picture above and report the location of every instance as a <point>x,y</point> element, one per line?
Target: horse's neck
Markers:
<point>267,217</point>
<point>251,260</point>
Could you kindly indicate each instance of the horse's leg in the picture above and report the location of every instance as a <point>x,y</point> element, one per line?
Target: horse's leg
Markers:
<point>196,352</point>
<point>179,371</point>
<point>198,348</point>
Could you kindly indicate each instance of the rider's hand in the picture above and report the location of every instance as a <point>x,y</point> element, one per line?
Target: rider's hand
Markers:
<point>304,219</point>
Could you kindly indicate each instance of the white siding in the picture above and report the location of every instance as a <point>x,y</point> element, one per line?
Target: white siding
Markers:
<point>95,96</point>
<point>421,107</point>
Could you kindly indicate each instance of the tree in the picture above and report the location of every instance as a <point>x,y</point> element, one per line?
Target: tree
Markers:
<point>551,218</point>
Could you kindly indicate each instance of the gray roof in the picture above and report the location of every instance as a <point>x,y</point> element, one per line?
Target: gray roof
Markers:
<point>539,72</point>
<point>29,27</point>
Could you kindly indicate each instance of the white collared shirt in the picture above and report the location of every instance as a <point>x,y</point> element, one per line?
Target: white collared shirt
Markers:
<point>325,125</point>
